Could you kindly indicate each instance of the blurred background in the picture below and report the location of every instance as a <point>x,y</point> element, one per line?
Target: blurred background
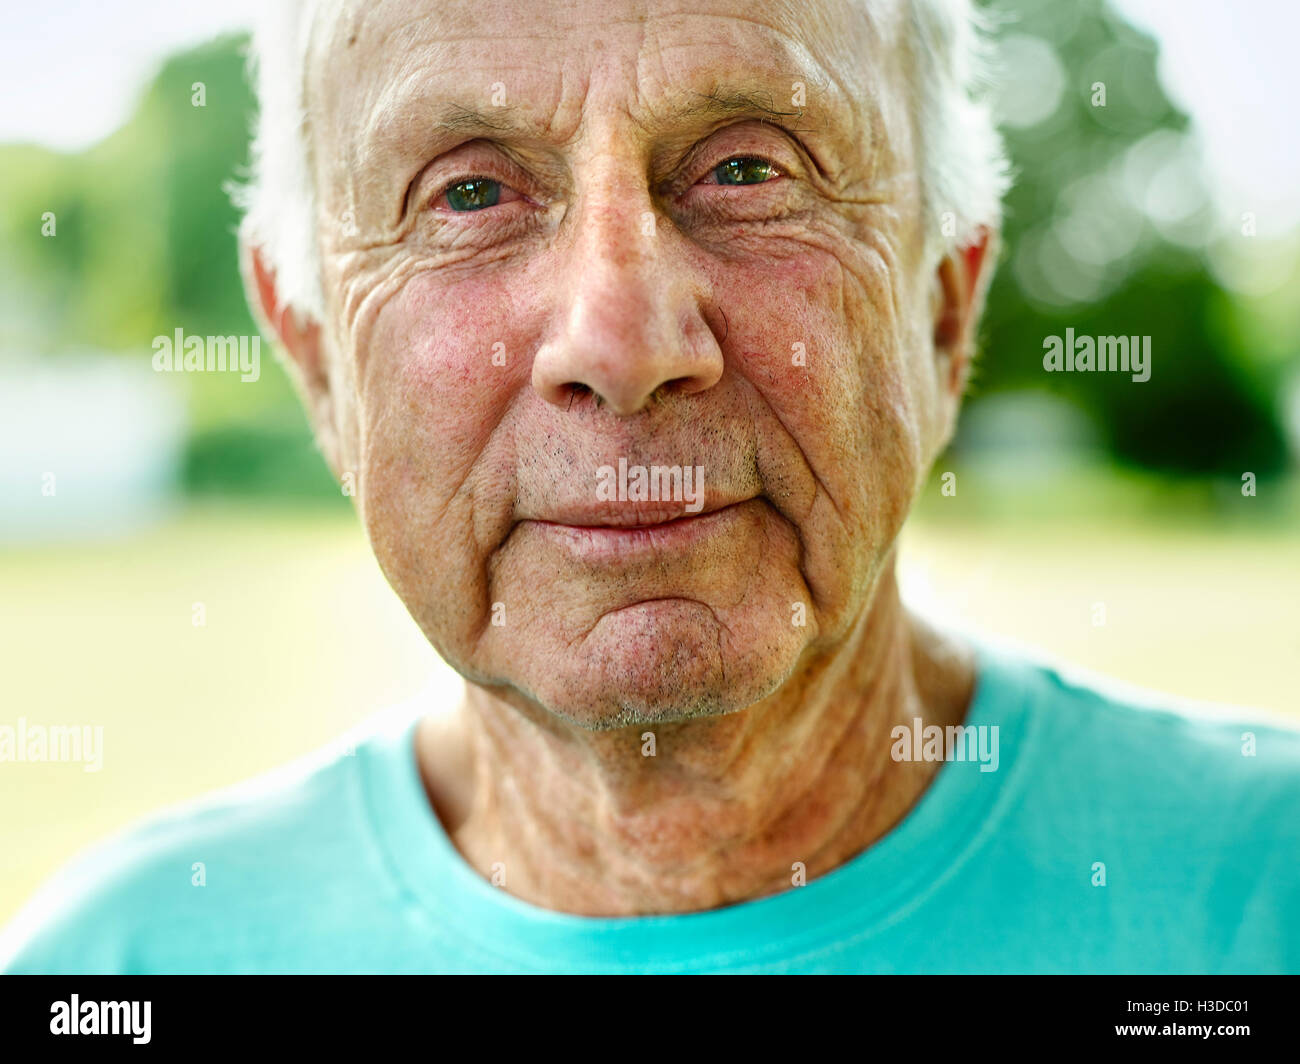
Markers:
<point>177,565</point>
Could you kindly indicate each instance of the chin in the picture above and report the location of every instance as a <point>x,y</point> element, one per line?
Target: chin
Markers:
<point>660,662</point>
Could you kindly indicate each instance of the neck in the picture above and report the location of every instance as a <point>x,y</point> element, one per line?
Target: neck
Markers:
<point>727,809</point>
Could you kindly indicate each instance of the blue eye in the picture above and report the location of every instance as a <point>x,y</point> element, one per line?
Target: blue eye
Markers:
<point>474,195</point>
<point>744,171</point>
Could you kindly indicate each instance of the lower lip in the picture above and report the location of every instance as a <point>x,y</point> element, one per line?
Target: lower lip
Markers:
<point>609,543</point>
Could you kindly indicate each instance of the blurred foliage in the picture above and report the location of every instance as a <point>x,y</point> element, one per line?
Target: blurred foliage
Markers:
<point>145,245</point>
<point>277,459</point>
<point>1106,229</point>
<point>1105,232</point>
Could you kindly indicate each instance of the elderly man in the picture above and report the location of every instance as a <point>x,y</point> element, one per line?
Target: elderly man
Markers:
<point>637,327</point>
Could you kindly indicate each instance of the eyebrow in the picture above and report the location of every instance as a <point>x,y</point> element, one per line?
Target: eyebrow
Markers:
<point>722,103</point>
<point>731,103</point>
<point>456,119</point>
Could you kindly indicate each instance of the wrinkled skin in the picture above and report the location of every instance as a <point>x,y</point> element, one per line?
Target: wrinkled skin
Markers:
<point>788,335</point>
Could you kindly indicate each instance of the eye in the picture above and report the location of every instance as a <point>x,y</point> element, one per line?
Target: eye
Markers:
<point>744,170</point>
<point>472,195</point>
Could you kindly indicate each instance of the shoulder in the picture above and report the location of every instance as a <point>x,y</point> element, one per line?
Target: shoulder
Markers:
<point>1154,753</point>
<point>1163,833</point>
<point>175,884</point>
<point>1141,722</point>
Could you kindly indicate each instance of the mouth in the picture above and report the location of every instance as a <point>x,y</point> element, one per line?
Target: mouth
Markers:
<point>630,529</point>
<point>632,515</point>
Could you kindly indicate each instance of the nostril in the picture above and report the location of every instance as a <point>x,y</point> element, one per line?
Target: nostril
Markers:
<point>580,391</point>
<point>681,385</point>
<point>677,384</point>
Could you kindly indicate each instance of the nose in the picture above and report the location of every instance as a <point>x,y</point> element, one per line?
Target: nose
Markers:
<point>630,321</point>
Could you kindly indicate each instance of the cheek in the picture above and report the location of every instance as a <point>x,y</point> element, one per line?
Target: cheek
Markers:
<point>437,464</point>
<point>820,341</point>
<point>786,322</point>
<point>442,367</point>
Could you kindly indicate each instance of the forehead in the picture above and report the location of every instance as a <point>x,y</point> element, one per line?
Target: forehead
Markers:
<point>378,71</point>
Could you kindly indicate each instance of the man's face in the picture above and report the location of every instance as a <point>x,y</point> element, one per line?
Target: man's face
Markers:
<point>685,235</point>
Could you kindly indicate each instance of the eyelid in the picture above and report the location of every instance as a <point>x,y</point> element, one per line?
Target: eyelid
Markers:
<point>738,142</point>
<point>473,164</point>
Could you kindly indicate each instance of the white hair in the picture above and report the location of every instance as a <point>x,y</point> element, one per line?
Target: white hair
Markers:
<point>964,168</point>
<point>964,171</point>
<point>279,201</point>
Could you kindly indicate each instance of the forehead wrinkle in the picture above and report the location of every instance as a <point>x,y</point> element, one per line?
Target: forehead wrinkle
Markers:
<point>417,106</point>
<point>362,40</point>
<point>819,54</point>
<point>723,101</point>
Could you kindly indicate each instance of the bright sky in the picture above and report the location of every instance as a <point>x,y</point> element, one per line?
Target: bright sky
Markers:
<point>70,72</point>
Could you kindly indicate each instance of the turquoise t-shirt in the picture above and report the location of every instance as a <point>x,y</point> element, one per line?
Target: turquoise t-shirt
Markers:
<point>1116,835</point>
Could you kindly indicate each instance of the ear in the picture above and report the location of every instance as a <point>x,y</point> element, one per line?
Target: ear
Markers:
<point>961,282</point>
<point>300,338</point>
